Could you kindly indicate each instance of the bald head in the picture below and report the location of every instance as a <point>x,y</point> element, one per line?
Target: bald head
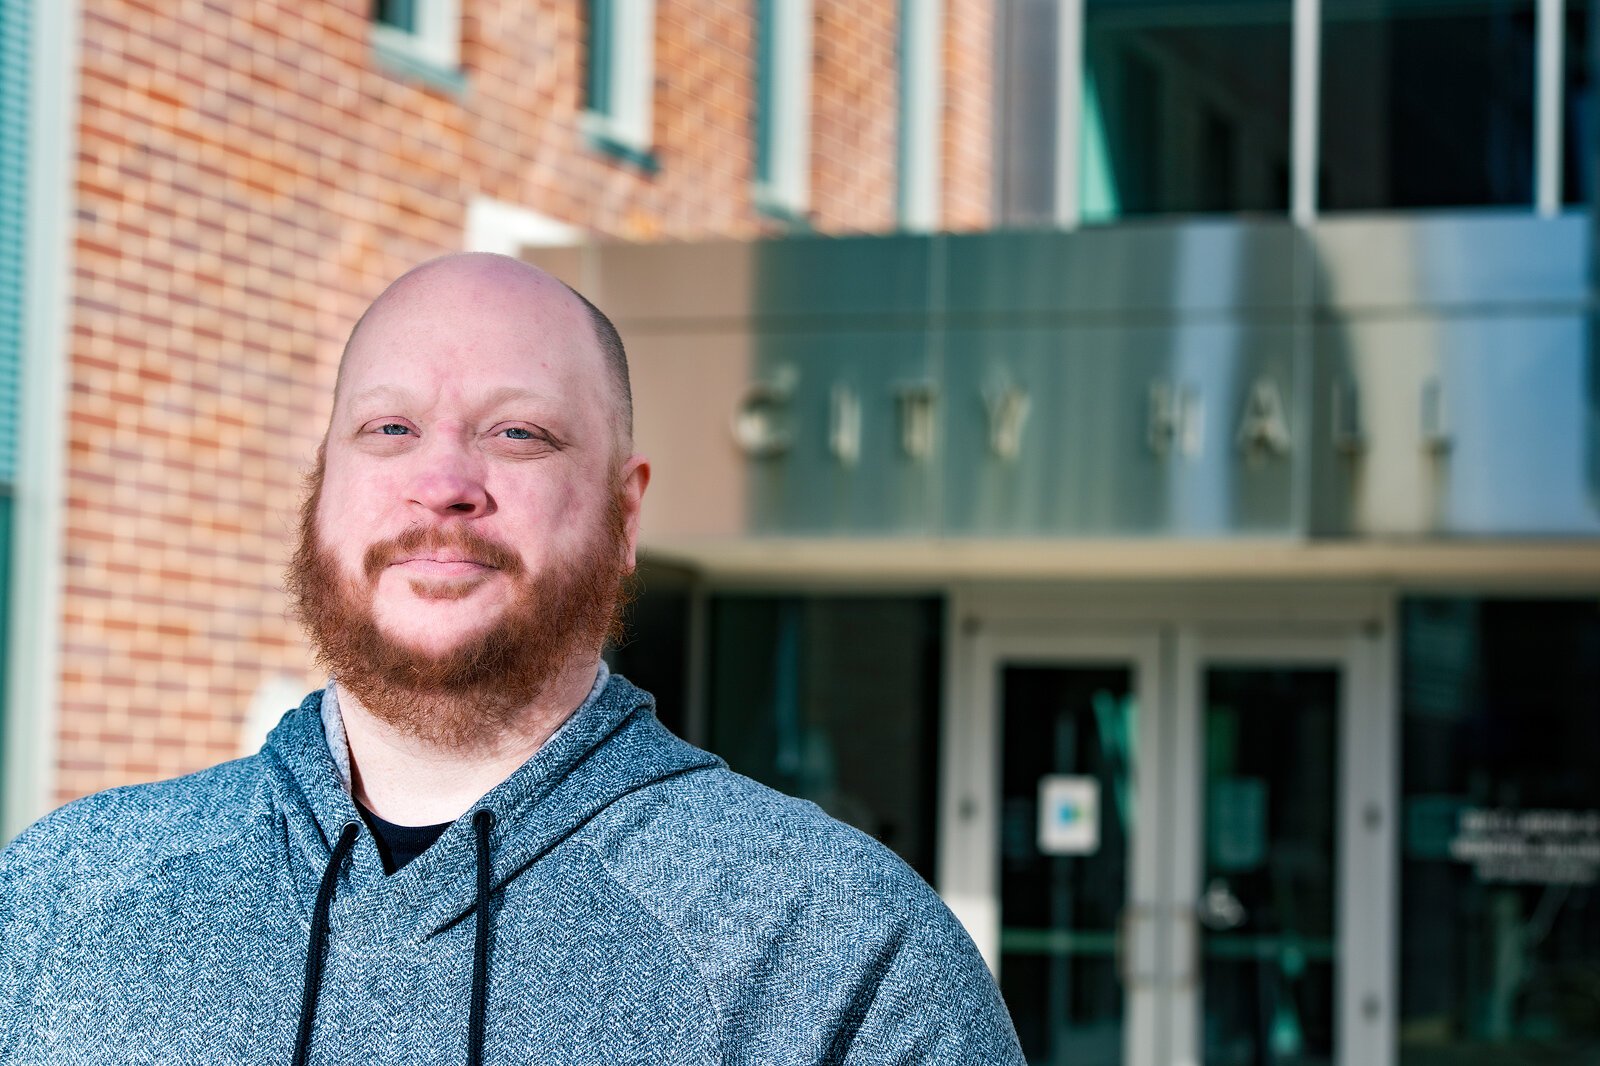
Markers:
<point>486,283</point>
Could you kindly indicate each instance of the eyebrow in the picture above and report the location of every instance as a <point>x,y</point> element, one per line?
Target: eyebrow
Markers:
<point>514,394</point>
<point>378,392</point>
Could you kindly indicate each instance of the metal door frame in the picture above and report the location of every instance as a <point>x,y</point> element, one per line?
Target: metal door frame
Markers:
<point>976,833</point>
<point>1165,636</point>
<point>1364,833</point>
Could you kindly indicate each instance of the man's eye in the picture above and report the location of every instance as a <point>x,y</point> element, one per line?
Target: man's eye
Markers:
<point>393,429</point>
<point>519,433</point>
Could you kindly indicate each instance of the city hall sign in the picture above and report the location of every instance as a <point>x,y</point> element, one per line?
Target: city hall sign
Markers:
<point>766,424</point>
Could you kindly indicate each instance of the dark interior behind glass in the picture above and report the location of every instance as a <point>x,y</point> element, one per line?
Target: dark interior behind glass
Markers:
<point>834,700</point>
<point>1500,874</point>
<point>1426,103</point>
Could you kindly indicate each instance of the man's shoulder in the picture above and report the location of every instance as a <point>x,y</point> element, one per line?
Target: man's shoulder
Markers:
<point>116,832</point>
<point>715,833</point>
<point>789,913</point>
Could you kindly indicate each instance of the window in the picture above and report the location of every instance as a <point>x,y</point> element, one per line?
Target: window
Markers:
<point>783,108</point>
<point>1031,61</point>
<point>1427,104</point>
<point>1500,856</point>
<point>921,91</point>
<point>1142,107</point>
<point>621,79</point>
<point>1577,108</point>
<point>421,31</point>
<point>834,699</point>
<point>1185,107</point>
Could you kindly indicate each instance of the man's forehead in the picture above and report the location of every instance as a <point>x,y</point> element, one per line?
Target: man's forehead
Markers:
<point>474,288</point>
<point>406,393</point>
<point>493,306</point>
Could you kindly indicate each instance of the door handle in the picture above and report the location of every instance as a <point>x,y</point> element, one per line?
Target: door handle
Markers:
<point>1219,909</point>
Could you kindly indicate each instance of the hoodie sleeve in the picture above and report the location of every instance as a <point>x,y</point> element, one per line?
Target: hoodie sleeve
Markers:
<point>26,914</point>
<point>929,999</point>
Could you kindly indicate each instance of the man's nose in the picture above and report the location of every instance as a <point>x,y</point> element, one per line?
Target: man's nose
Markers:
<point>450,484</point>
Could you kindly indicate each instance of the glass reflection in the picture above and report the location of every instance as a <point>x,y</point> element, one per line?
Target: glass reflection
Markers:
<point>1067,787</point>
<point>834,700</point>
<point>1185,107</point>
<point>1577,107</point>
<point>1426,103</point>
<point>1500,875</point>
<point>1266,908</point>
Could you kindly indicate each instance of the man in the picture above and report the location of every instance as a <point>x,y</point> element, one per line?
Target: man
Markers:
<point>474,845</point>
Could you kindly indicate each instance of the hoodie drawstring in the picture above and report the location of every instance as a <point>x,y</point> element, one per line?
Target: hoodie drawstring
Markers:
<point>481,823</point>
<point>319,936</point>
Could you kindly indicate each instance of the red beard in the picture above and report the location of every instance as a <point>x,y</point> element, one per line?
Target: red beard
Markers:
<point>472,693</point>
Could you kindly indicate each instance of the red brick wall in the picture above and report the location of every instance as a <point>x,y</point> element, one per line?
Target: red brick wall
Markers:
<point>854,115</point>
<point>969,103</point>
<point>248,179</point>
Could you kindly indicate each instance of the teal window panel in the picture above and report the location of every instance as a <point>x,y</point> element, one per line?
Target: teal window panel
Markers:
<point>401,14</point>
<point>14,80</point>
<point>765,88</point>
<point>602,19</point>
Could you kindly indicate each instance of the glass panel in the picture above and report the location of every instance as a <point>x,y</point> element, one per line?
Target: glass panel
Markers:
<point>1577,116</point>
<point>1067,818</point>
<point>1027,73</point>
<point>1500,858</point>
<point>835,700</point>
<point>1185,107</point>
<point>401,14</point>
<point>1267,902</point>
<point>1426,103</point>
<point>655,655</point>
<point>601,30</point>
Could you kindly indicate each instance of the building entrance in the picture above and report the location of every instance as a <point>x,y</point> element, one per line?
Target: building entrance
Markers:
<point>1182,865</point>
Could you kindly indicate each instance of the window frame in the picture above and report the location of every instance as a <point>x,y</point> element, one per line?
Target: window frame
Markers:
<point>619,90</point>
<point>1305,132</point>
<point>918,175</point>
<point>784,59</point>
<point>436,41</point>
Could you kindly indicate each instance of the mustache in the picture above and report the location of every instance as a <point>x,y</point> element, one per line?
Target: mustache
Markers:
<point>456,540</point>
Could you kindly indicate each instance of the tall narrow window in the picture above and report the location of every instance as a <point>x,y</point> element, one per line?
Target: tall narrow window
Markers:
<point>783,107</point>
<point>1028,66</point>
<point>621,81</point>
<point>425,30</point>
<point>1577,107</point>
<point>921,90</point>
<point>18,81</point>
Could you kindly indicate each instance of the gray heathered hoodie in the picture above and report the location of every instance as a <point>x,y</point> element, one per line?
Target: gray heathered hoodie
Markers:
<point>646,905</point>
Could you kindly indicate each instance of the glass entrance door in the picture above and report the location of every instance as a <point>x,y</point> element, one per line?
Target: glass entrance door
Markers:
<point>1266,907</point>
<point>1077,876</point>
<point>1176,860</point>
<point>1067,823</point>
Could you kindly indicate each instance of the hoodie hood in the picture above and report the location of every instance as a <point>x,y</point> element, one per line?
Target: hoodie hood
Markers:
<point>543,802</point>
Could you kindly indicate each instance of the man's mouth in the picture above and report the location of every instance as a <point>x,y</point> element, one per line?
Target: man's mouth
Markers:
<point>421,556</point>
<point>441,566</point>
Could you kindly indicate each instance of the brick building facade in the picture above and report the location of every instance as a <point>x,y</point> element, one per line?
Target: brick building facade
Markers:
<point>247,177</point>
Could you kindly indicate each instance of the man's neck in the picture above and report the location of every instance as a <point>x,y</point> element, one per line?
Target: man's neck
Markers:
<point>409,781</point>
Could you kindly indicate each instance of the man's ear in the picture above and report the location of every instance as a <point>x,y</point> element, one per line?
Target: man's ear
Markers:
<point>632,480</point>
